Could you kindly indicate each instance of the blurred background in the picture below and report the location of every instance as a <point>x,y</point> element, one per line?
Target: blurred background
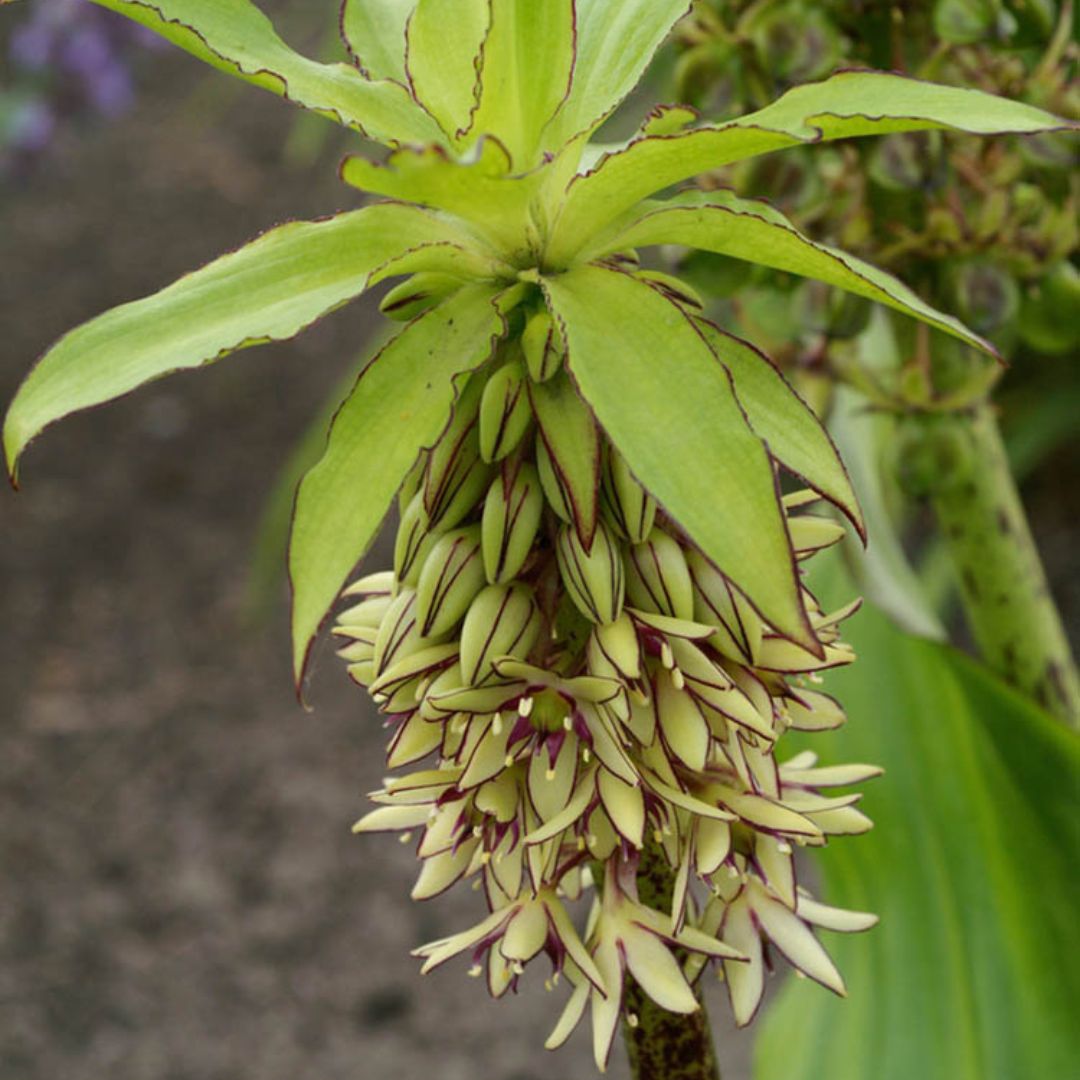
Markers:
<point>180,897</point>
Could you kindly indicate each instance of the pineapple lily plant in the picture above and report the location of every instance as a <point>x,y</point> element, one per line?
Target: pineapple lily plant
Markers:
<point>596,632</point>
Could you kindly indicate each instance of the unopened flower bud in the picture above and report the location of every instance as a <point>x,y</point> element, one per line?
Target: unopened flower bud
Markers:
<point>549,482</point>
<point>593,579</point>
<point>512,513</point>
<point>543,346</point>
<point>718,603</point>
<point>614,650</point>
<point>657,577</point>
<point>455,476</point>
<point>413,543</point>
<point>452,575</point>
<point>630,508</point>
<point>502,621</point>
<point>572,441</point>
<point>399,633</point>
<point>505,413</point>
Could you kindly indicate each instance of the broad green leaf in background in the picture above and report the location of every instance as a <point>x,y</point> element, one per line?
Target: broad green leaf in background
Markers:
<point>442,58</point>
<point>236,37</point>
<point>778,415</point>
<point>615,40</point>
<point>973,867</point>
<point>400,404</point>
<point>748,229</point>
<point>892,102</point>
<point>269,290</point>
<point>374,33</point>
<point>527,65</point>
<point>663,398</point>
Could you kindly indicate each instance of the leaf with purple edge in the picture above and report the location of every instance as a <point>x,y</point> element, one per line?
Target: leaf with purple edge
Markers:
<point>400,404</point>
<point>720,222</point>
<point>374,33</point>
<point>668,406</point>
<point>234,36</point>
<point>269,290</point>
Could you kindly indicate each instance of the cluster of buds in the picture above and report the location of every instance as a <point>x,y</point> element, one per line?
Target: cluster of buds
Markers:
<point>571,681</point>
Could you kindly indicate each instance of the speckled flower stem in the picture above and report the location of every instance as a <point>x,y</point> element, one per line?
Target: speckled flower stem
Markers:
<point>664,1045</point>
<point>1006,598</point>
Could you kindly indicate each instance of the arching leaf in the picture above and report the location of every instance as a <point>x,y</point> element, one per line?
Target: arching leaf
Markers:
<point>236,37</point>
<point>668,406</point>
<point>720,222</point>
<point>400,405</point>
<point>847,104</point>
<point>269,290</point>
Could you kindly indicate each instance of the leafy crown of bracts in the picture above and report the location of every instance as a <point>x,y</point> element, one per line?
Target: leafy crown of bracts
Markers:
<point>596,623</point>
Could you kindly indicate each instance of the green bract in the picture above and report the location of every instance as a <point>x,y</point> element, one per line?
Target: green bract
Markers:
<point>489,106</point>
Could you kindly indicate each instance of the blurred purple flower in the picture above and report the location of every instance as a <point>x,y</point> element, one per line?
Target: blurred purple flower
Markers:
<point>68,58</point>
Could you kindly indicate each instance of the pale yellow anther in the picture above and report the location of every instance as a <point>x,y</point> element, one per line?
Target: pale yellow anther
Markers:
<point>632,1020</point>
<point>404,838</point>
<point>497,724</point>
<point>475,971</point>
<point>667,657</point>
<point>677,679</point>
<point>550,774</point>
<point>567,723</point>
<point>525,706</point>
<point>783,847</point>
<point>586,755</point>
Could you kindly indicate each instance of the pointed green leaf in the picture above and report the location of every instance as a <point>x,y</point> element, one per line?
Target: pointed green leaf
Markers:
<point>615,40</point>
<point>852,103</point>
<point>720,222</point>
<point>442,58</point>
<point>399,405</point>
<point>794,435</point>
<point>269,290</point>
<point>828,110</point>
<point>236,37</point>
<point>374,33</point>
<point>525,74</point>
<point>668,406</point>
<point>972,866</point>
<point>573,445</point>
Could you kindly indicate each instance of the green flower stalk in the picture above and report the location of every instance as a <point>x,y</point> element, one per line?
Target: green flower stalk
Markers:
<point>596,632</point>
